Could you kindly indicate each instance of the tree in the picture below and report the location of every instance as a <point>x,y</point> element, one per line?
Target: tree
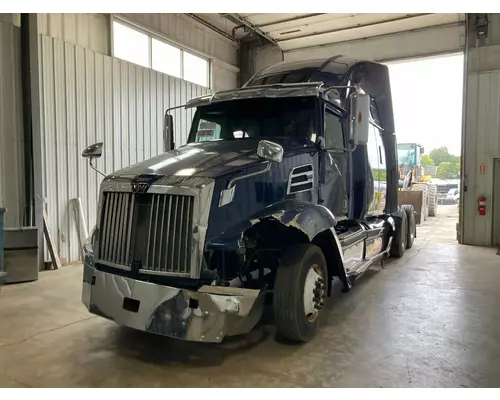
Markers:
<point>442,155</point>
<point>379,175</point>
<point>426,160</point>
<point>448,170</point>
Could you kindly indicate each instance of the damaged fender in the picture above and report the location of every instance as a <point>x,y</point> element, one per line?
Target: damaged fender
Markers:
<point>310,219</point>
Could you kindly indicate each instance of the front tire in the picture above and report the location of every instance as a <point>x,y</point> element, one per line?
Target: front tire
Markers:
<point>398,245</point>
<point>300,291</point>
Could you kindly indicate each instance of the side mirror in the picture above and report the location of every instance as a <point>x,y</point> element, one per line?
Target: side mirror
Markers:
<point>168,133</point>
<point>422,150</point>
<point>270,151</point>
<point>93,151</point>
<point>360,118</point>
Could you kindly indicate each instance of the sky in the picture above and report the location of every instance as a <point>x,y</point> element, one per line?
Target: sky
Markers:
<point>427,101</point>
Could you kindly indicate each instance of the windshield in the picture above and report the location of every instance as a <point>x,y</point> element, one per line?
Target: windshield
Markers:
<point>261,118</point>
<point>406,155</point>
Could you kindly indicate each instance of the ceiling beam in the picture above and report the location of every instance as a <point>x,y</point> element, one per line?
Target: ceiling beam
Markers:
<point>241,21</point>
<point>213,27</point>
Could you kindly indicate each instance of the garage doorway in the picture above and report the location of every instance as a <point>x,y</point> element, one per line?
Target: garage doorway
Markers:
<point>427,98</point>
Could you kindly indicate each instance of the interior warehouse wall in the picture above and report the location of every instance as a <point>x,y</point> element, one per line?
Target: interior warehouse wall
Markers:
<point>11,126</point>
<point>93,31</point>
<point>87,97</point>
<point>482,147</point>
<point>482,132</point>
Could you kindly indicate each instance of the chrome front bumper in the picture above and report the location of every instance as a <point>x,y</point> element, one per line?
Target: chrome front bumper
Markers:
<point>206,315</point>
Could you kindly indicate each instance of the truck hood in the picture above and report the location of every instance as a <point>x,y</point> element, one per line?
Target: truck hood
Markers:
<point>207,159</point>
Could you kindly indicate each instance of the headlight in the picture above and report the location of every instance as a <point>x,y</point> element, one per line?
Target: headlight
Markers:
<point>89,242</point>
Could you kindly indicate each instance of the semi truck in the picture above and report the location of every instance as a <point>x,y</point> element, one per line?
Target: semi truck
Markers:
<point>283,187</point>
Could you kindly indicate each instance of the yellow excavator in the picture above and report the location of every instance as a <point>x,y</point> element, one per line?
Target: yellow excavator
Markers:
<point>414,185</point>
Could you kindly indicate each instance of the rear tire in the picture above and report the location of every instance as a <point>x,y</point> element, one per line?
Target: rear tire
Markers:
<point>433,200</point>
<point>300,291</point>
<point>410,225</point>
<point>398,245</point>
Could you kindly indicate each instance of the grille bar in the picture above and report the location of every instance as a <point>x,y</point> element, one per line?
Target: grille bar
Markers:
<point>153,229</point>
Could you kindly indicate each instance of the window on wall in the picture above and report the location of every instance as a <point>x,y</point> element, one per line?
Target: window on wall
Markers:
<point>166,58</point>
<point>130,45</point>
<point>195,69</point>
<point>138,47</point>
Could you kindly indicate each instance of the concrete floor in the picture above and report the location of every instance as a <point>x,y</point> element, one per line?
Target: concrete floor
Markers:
<point>430,319</point>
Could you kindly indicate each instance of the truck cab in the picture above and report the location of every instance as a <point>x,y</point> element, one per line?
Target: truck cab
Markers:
<point>283,186</point>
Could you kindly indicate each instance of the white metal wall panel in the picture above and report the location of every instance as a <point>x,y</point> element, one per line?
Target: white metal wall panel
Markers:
<point>14,19</point>
<point>11,126</point>
<point>88,97</point>
<point>91,31</point>
<point>482,143</point>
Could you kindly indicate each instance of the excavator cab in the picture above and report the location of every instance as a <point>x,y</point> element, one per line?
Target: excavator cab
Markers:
<point>409,160</point>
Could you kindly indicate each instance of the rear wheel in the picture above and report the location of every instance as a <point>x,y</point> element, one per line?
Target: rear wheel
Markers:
<point>300,291</point>
<point>433,200</point>
<point>398,245</point>
<point>410,225</point>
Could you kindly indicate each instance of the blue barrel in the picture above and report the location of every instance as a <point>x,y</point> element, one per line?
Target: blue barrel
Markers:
<point>2,273</point>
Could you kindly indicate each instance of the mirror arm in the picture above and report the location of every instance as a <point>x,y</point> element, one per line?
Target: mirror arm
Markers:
<point>94,168</point>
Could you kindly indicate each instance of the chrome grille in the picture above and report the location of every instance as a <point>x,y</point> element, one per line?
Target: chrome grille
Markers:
<point>153,230</point>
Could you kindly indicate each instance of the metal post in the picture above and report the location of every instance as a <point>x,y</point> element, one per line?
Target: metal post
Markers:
<point>2,273</point>
<point>36,132</point>
<point>463,163</point>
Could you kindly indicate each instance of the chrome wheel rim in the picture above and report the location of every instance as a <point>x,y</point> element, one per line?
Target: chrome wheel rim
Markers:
<point>314,293</point>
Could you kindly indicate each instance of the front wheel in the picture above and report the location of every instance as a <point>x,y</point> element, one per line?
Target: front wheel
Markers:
<point>400,238</point>
<point>300,291</point>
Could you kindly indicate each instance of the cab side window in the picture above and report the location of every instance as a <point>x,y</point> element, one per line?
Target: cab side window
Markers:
<point>373,152</point>
<point>334,136</point>
<point>378,166</point>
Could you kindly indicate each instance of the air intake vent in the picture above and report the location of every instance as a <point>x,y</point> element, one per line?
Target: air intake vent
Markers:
<point>301,179</point>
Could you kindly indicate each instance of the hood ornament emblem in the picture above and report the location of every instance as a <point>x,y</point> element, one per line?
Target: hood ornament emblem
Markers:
<point>141,183</point>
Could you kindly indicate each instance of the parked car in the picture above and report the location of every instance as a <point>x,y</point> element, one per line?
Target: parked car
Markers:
<point>453,196</point>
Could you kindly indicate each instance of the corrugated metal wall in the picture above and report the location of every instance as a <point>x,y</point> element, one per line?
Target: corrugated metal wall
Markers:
<point>88,97</point>
<point>91,31</point>
<point>11,125</point>
<point>482,146</point>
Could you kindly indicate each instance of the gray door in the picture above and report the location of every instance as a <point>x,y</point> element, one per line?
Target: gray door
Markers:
<point>496,202</point>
